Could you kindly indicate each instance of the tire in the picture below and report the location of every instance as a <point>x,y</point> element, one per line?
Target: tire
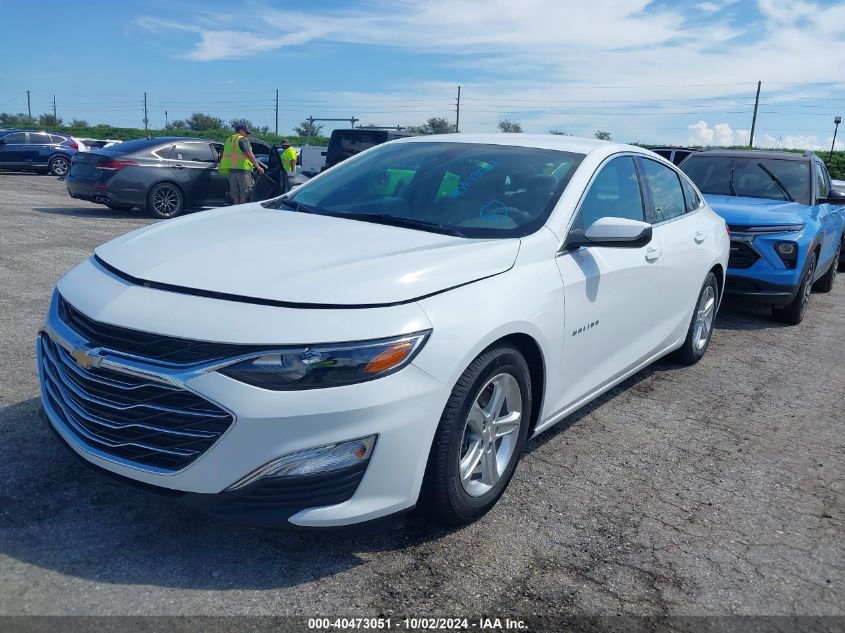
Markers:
<point>59,166</point>
<point>165,200</point>
<point>826,281</point>
<point>465,435</point>
<point>794,313</point>
<point>701,325</point>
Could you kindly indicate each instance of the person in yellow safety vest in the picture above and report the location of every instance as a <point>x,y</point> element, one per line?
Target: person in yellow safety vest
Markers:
<point>237,163</point>
<point>288,157</point>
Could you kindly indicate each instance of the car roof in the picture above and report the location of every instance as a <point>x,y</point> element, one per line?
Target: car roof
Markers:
<point>573,144</point>
<point>751,153</point>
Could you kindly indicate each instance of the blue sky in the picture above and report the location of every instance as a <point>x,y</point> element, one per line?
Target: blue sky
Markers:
<point>661,71</point>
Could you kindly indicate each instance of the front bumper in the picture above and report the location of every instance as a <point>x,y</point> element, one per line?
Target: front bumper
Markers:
<point>756,290</point>
<point>401,409</point>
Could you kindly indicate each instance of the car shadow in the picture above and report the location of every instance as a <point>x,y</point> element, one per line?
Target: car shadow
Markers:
<point>58,515</point>
<point>736,315</point>
<point>98,211</point>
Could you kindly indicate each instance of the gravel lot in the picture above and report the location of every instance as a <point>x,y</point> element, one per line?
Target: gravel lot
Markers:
<point>716,489</point>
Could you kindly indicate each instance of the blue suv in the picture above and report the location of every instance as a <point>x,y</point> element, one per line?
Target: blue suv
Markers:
<point>42,152</point>
<point>785,221</point>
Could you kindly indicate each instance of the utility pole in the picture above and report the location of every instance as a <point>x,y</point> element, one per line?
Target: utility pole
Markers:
<point>165,119</point>
<point>146,120</point>
<point>55,118</point>
<point>458,112</point>
<point>836,122</point>
<point>28,106</point>
<point>277,111</point>
<point>754,118</point>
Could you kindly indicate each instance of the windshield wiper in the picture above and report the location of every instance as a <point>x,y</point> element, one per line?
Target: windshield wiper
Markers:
<point>777,182</point>
<point>293,205</point>
<point>392,220</point>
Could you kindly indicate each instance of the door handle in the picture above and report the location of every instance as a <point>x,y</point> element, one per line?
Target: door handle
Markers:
<point>178,166</point>
<point>652,254</point>
<point>699,237</point>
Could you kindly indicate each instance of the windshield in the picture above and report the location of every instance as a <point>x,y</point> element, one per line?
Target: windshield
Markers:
<point>465,189</point>
<point>751,177</point>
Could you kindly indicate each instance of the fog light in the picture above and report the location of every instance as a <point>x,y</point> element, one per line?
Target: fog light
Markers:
<point>788,253</point>
<point>313,461</point>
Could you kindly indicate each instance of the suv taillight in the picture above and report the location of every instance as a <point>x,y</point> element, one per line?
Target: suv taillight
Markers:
<point>73,144</point>
<point>113,163</point>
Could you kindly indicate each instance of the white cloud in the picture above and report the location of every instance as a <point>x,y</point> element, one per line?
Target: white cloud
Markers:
<point>720,134</point>
<point>799,141</point>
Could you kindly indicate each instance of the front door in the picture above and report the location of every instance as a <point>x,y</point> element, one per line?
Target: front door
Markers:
<point>610,293</point>
<point>13,149</point>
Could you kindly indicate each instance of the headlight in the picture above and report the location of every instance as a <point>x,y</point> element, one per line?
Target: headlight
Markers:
<point>330,365</point>
<point>788,253</point>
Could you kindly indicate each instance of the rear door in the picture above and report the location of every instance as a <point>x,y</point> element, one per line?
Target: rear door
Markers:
<point>12,150</point>
<point>38,149</point>
<point>683,233</point>
<point>610,293</point>
<point>193,164</point>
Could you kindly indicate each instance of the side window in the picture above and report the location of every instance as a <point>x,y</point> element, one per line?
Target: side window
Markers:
<point>823,184</point>
<point>166,152</point>
<point>665,191</point>
<point>615,192</point>
<point>198,152</point>
<point>693,200</point>
<point>679,156</point>
<point>16,138</point>
<point>57,140</point>
<point>665,153</point>
<point>39,139</point>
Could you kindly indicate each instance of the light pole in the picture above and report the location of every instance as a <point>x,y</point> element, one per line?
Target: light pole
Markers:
<point>837,121</point>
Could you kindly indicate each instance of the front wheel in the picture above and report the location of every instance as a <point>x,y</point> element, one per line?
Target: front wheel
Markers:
<point>701,326</point>
<point>480,437</point>
<point>165,200</point>
<point>58,166</point>
<point>794,312</point>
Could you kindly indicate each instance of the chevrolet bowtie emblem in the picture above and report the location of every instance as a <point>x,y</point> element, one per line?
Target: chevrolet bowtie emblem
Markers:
<point>86,358</point>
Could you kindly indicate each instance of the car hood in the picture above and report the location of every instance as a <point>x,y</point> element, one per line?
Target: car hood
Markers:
<point>299,258</point>
<point>739,211</point>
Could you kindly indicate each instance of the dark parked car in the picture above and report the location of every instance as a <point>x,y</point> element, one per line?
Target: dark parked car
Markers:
<point>346,143</point>
<point>675,155</point>
<point>41,152</point>
<point>164,175</point>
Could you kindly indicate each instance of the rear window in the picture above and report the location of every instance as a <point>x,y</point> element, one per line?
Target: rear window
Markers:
<point>346,143</point>
<point>128,147</point>
<point>751,177</point>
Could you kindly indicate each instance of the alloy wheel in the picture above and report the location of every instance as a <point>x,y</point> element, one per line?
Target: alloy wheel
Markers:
<point>59,167</point>
<point>704,315</point>
<point>490,434</point>
<point>166,200</point>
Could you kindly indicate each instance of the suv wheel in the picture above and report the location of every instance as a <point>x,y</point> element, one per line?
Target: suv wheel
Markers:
<point>826,281</point>
<point>58,166</point>
<point>794,313</point>
<point>701,326</point>
<point>165,200</point>
<point>480,437</point>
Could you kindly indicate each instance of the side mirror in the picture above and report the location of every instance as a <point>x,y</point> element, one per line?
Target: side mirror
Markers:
<point>618,232</point>
<point>834,196</point>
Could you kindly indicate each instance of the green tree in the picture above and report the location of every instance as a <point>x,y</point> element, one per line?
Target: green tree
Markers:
<point>506,125</point>
<point>434,125</point>
<point>602,135</point>
<point>559,133</point>
<point>307,128</point>
<point>7,119</point>
<point>78,123</point>
<point>49,119</point>
<point>199,121</point>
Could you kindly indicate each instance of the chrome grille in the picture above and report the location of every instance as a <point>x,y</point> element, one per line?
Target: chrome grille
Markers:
<point>153,347</point>
<point>150,424</point>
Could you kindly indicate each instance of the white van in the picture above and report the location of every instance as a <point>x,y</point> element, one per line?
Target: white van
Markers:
<point>312,159</point>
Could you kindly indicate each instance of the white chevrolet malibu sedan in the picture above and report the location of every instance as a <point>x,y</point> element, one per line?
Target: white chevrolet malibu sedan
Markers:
<point>386,336</point>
